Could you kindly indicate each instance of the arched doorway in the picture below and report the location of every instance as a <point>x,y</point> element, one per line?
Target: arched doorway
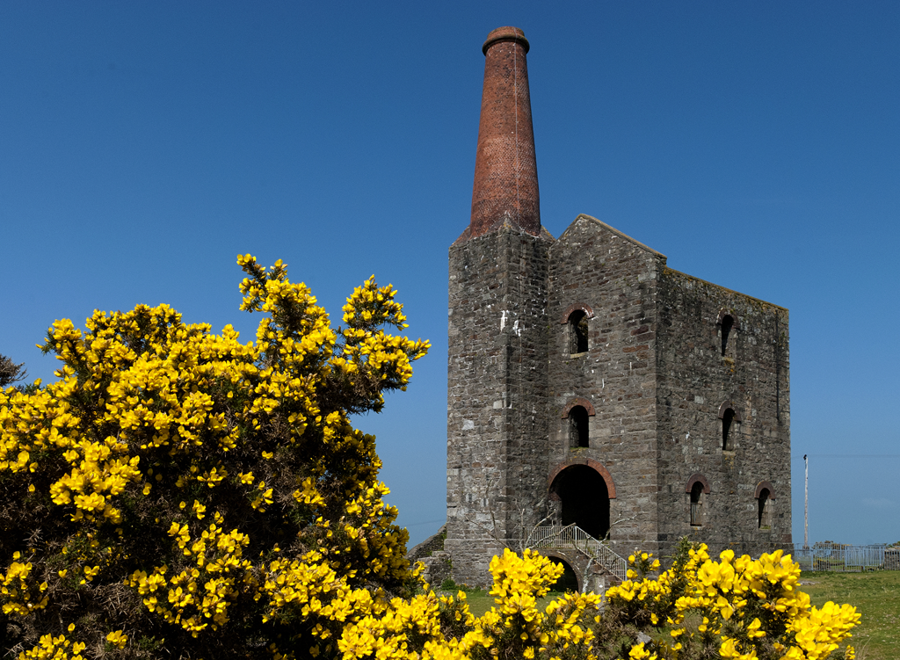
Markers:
<point>568,581</point>
<point>584,498</point>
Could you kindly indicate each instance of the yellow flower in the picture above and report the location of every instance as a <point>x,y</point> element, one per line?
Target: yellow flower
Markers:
<point>117,639</point>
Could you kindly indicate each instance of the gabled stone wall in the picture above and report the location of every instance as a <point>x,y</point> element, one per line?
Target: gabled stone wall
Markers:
<point>696,384</point>
<point>596,267</point>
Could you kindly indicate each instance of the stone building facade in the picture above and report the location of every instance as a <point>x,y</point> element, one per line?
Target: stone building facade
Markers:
<point>589,383</point>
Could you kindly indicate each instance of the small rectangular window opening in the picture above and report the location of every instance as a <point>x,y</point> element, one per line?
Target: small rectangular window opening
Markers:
<point>727,324</point>
<point>728,429</point>
<point>765,510</point>
<point>578,427</point>
<point>697,505</point>
<point>578,332</point>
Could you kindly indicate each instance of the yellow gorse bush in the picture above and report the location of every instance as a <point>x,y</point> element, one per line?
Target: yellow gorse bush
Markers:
<point>181,489</point>
<point>179,493</point>
<point>742,608</point>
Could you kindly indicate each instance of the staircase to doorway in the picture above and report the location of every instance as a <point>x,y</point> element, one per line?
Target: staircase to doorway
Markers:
<point>572,537</point>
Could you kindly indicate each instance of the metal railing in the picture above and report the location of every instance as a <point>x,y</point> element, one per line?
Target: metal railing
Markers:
<point>572,537</point>
<point>842,558</point>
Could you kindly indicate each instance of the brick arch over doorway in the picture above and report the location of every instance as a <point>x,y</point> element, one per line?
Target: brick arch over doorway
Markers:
<point>591,463</point>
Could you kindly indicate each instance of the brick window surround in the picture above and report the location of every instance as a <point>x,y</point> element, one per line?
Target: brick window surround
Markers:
<point>694,479</point>
<point>578,401</point>
<point>584,307</point>
<point>765,485</point>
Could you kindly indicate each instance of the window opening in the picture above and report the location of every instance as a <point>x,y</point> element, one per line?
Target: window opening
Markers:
<point>578,427</point>
<point>727,435</point>
<point>578,331</point>
<point>697,504</point>
<point>765,509</point>
<point>727,324</point>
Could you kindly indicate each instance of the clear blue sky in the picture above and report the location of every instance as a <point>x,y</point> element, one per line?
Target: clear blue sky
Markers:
<point>143,145</point>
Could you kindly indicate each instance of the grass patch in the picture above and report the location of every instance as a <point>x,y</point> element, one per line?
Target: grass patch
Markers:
<point>480,600</point>
<point>876,596</point>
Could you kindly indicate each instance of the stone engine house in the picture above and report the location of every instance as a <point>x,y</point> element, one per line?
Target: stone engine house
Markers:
<point>591,384</point>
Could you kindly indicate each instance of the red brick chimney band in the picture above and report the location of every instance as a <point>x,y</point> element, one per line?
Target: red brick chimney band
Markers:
<point>506,185</point>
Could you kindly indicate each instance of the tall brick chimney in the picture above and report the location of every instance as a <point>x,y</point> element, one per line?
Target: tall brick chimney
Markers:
<point>498,394</point>
<point>506,185</point>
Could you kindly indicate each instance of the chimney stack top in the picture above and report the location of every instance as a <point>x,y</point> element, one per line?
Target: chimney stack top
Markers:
<point>506,33</point>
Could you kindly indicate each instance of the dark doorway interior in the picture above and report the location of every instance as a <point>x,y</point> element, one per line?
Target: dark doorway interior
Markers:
<point>585,499</point>
<point>568,581</point>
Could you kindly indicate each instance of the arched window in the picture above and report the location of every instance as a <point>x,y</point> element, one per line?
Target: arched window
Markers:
<point>765,500</point>
<point>696,504</point>
<point>730,425</point>
<point>578,427</point>
<point>578,332</point>
<point>765,510</point>
<point>727,324</point>
<point>727,440</point>
<point>577,411</point>
<point>697,487</point>
<point>575,318</point>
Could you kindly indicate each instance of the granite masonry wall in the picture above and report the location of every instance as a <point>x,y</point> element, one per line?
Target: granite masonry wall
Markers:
<point>613,280</point>
<point>497,392</point>
<point>656,381</point>
<point>697,382</point>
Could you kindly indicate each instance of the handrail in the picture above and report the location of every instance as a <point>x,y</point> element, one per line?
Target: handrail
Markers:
<point>573,537</point>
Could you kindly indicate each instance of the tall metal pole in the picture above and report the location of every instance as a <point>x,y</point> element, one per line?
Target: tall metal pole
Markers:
<point>806,503</point>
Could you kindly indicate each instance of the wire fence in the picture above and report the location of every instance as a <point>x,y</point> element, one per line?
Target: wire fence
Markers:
<point>841,558</point>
